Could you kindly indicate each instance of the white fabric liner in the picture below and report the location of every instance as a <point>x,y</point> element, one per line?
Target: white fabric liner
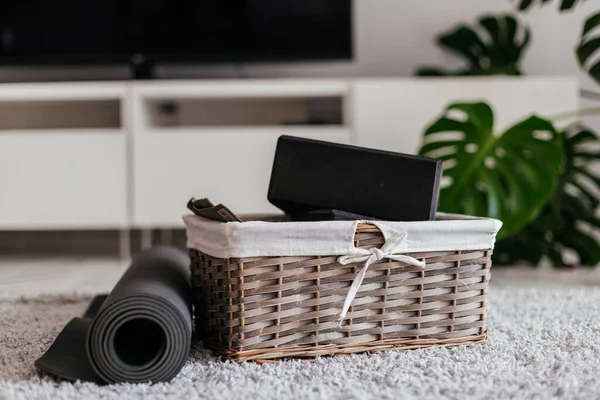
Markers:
<point>449,232</point>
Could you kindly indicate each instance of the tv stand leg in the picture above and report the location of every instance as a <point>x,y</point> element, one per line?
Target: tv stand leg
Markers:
<point>125,244</point>
<point>146,239</point>
<point>141,68</point>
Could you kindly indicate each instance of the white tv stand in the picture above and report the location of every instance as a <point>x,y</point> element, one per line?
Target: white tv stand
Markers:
<point>124,155</point>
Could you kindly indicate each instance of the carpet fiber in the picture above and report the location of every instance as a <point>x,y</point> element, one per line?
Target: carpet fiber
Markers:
<point>543,343</point>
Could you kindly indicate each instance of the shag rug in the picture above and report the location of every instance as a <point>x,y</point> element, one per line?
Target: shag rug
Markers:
<point>543,343</point>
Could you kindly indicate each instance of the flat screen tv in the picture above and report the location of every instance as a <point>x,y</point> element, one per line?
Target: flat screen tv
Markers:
<point>118,31</point>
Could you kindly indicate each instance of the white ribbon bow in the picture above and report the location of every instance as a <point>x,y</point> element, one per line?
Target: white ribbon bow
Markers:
<point>369,257</point>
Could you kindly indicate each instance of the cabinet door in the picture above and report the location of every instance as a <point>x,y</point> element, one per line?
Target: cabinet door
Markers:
<point>58,180</point>
<point>230,166</point>
<point>392,114</point>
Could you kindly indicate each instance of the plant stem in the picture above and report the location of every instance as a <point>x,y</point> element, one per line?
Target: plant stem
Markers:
<point>585,94</point>
<point>589,94</point>
<point>576,113</point>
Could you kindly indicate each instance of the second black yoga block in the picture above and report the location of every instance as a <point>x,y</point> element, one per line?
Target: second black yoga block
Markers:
<point>311,174</point>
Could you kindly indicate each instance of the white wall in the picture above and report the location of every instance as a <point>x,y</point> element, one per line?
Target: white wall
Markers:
<point>392,38</point>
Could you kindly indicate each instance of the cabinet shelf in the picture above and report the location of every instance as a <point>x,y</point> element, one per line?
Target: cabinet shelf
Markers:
<point>245,112</point>
<point>51,114</point>
<point>62,132</point>
<point>317,130</point>
<point>231,89</point>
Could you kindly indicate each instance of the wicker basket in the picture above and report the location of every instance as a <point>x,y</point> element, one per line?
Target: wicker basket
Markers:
<point>265,308</point>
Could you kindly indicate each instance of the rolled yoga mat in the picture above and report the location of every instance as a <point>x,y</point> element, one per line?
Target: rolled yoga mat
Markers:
<point>140,332</point>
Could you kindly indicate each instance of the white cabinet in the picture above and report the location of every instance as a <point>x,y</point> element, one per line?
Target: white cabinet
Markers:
<point>229,166</point>
<point>57,180</point>
<point>122,155</point>
<point>222,143</point>
<point>63,162</point>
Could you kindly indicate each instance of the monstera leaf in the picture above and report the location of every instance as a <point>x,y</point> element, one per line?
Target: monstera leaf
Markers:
<point>587,51</point>
<point>566,221</point>
<point>509,176</point>
<point>564,4</point>
<point>497,52</point>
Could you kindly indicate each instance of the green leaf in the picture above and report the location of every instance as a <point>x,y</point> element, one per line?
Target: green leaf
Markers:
<point>570,205</point>
<point>524,4</point>
<point>586,49</point>
<point>466,43</point>
<point>582,136</point>
<point>594,72</point>
<point>589,47</point>
<point>567,4</point>
<point>593,221</point>
<point>589,175</point>
<point>509,176</point>
<point>555,255</point>
<point>564,4</point>
<point>585,154</point>
<point>591,23</point>
<point>559,226</point>
<point>587,248</point>
<point>431,71</point>
<point>585,193</point>
<point>518,249</point>
<point>497,51</point>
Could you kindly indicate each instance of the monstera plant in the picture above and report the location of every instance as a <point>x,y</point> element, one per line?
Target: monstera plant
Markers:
<point>494,47</point>
<point>536,179</point>
<point>564,224</point>
<point>509,175</point>
<point>588,49</point>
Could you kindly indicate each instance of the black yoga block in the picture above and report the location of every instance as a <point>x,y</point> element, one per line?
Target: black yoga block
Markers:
<point>328,215</point>
<point>312,175</point>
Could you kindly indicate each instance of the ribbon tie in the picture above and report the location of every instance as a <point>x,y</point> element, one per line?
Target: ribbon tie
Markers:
<point>369,257</point>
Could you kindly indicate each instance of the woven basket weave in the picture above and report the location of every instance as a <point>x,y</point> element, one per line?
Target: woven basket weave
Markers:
<point>266,308</point>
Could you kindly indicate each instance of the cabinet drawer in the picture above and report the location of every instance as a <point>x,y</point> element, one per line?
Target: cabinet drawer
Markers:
<point>230,166</point>
<point>62,180</point>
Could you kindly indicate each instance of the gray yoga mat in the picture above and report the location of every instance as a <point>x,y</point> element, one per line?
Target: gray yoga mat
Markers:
<point>140,332</point>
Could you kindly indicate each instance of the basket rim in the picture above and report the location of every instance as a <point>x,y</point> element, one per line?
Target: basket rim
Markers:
<point>335,238</point>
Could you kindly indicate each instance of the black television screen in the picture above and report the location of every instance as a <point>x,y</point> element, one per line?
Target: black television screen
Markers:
<point>111,31</point>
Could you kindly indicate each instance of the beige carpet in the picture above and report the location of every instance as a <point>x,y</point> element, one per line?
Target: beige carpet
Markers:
<point>543,343</point>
